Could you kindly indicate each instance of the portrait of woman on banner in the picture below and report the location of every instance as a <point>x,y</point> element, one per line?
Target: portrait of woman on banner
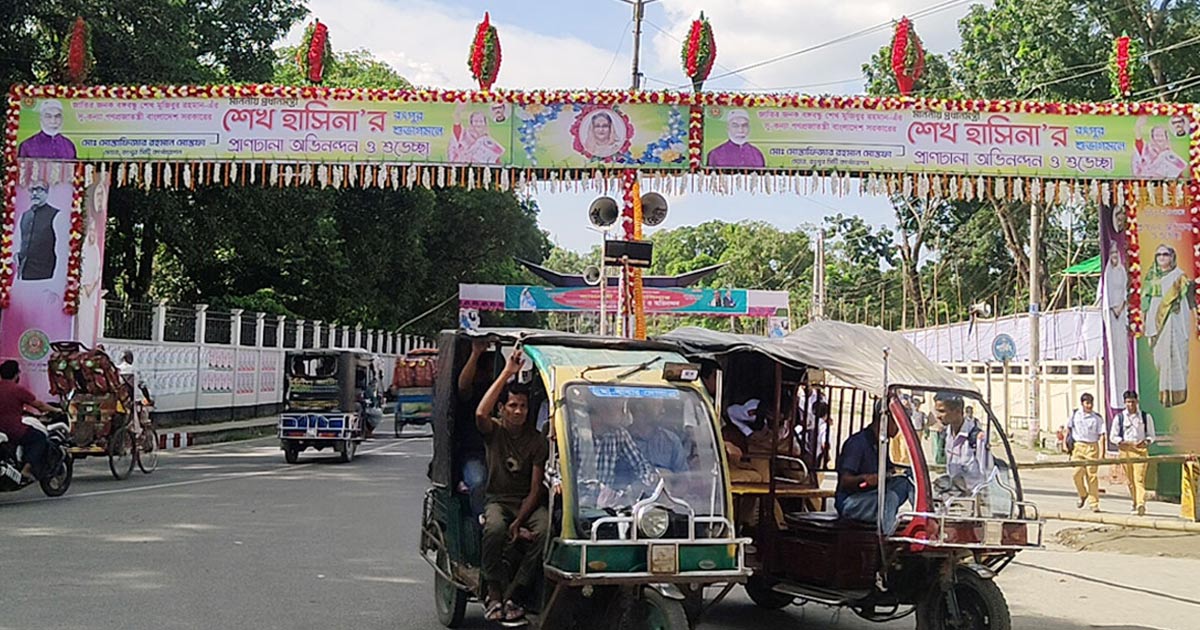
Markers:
<point>473,144</point>
<point>1155,159</point>
<point>1169,294</point>
<point>1115,298</point>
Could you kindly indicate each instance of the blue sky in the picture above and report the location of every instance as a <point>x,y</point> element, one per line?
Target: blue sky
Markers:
<point>588,44</point>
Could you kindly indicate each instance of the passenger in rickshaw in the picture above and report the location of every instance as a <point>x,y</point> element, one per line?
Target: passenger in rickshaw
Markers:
<point>611,466</point>
<point>473,381</point>
<point>969,464</point>
<point>857,497</point>
<point>515,517</point>
<point>660,445</point>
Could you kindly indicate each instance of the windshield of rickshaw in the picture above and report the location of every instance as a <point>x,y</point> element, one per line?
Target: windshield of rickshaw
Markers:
<point>313,365</point>
<point>626,438</point>
<point>965,449</point>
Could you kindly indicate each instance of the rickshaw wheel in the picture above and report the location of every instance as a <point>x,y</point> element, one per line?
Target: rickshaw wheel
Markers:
<point>291,454</point>
<point>451,602</point>
<point>651,611</point>
<point>120,453</point>
<point>56,485</point>
<point>981,605</point>
<point>147,459</point>
<point>761,593</point>
<point>348,451</point>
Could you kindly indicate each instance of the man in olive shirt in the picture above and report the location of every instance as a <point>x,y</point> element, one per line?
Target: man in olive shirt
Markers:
<point>514,514</point>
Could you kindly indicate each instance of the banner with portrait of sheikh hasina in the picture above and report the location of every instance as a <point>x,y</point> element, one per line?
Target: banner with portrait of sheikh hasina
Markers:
<point>574,135</point>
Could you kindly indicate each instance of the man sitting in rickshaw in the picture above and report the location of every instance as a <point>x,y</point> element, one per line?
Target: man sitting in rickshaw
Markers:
<point>515,520</point>
<point>608,456</point>
<point>857,496</point>
<point>662,447</point>
<point>968,461</point>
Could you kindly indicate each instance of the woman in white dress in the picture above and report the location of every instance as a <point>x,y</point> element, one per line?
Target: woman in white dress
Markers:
<point>1116,318</point>
<point>473,143</point>
<point>1155,158</point>
<point>1169,323</point>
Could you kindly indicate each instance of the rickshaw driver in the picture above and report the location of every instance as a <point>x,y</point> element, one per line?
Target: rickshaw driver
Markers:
<point>968,461</point>
<point>857,496</point>
<point>516,459</point>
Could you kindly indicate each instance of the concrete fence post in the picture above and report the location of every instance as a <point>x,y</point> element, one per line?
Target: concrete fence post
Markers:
<point>317,335</point>
<point>358,336</point>
<point>299,334</point>
<point>158,334</point>
<point>280,320</point>
<point>201,322</point>
<point>235,327</point>
<point>260,332</point>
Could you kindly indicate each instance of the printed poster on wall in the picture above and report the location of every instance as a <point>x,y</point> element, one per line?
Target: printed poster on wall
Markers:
<point>854,140</point>
<point>35,317</point>
<point>88,326</point>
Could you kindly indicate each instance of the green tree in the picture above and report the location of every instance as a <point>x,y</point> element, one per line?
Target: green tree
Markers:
<point>353,69</point>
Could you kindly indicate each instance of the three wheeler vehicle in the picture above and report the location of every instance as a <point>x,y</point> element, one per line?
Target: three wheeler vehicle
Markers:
<point>101,408</point>
<point>966,520</point>
<point>412,382</point>
<point>624,549</point>
<point>327,397</point>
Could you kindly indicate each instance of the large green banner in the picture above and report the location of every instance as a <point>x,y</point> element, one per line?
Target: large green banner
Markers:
<point>976,143</point>
<point>563,135</point>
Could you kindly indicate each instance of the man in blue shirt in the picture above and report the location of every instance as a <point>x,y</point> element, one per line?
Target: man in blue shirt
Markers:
<point>858,476</point>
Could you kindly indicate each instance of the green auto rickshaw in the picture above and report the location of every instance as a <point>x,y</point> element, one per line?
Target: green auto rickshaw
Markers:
<point>629,546</point>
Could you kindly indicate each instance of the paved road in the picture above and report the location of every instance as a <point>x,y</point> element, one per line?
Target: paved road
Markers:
<point>229,536</point>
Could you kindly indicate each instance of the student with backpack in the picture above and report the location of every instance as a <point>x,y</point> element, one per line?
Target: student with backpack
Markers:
<point>1132,431</point>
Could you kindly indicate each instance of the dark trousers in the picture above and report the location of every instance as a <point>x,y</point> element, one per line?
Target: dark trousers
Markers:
<point>33,450</point>
<point>512,566</point>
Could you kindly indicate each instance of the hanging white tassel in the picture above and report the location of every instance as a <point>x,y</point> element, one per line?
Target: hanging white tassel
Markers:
<point>121,172</point>
<point>323,176</point>
<point>427,178</point>
<point>441,176</point>
<point>148,179</point>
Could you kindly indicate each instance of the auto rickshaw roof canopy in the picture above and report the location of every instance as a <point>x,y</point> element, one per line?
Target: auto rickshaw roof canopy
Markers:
<point>851,352</point>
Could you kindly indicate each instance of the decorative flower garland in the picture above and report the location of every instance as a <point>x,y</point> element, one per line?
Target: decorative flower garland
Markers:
<point>77,60</point>
<point>75,255</point>
<point>1194,204</point>
<point>12,174</point>
<point>485,56</point>
<point>1130,201</point>
<point>314,52</point>
<point>635,281</point>
<point>533,118</point>
<point>1120,73</point>
<point>908,56</point>
<point>699,52</point>
<point>601,97</point>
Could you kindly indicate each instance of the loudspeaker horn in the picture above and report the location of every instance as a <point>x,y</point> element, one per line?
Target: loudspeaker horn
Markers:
<point>654,208</point>
<point>591,275</point>
<point>603,212</point>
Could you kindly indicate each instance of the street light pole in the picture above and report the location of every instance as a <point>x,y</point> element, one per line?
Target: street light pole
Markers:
<point>1035,330</point>
<point>638,15</point>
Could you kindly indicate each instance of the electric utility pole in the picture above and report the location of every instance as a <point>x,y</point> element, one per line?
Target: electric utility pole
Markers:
<point>639,13</point>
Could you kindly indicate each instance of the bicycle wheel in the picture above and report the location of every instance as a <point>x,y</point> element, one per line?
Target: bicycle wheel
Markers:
<point>121,453</point>
<point>147,459</point>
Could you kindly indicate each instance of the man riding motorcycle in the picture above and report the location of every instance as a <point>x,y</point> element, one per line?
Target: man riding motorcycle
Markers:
<point>14,400</point>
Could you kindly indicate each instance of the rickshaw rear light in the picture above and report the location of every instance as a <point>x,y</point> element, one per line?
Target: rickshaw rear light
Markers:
<point>1015,534</point>
<point>963,533</point>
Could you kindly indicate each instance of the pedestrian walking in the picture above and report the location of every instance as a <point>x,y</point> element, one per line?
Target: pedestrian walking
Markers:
<point>1083,442</point>
<point>1133,433</point>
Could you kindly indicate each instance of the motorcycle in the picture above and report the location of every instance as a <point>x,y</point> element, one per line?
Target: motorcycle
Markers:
<point>57,470</point>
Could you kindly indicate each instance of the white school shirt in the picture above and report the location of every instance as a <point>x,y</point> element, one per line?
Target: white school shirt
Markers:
<point>1086,427</point>
<point>1135,431</point>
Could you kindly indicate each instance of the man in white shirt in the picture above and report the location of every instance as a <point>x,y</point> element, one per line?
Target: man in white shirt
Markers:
<point>967,455</point>
<point>1133,432</point>
<point>129,379</point>
<point>1085,428</point>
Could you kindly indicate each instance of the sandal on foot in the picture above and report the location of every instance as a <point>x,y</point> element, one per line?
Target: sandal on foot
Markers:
<point>513,611</point>
<point>495,611</point>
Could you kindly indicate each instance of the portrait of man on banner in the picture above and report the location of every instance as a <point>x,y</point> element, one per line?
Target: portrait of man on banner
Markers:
<point>48,143</point>
<point>737,151</point>
<point>37,237</point>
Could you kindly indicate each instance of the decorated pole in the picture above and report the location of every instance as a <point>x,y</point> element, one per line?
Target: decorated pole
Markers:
<point>908,57</point>
<point>77,60</point>
<point>699,52</point>
<point>1120,73</point>
<point>484,59</point>
<point>314,52</point>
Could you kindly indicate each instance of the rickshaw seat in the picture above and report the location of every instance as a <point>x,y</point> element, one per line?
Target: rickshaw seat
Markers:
<point>781,490</point>
<point>825,521</point>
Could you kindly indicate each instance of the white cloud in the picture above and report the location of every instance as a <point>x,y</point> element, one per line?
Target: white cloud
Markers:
<point>427,42</point>
<point>748,32</point>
